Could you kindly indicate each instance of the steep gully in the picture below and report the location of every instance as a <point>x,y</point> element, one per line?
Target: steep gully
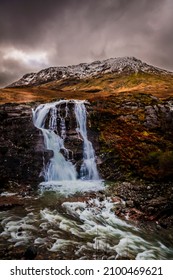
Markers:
<point>76,224</point>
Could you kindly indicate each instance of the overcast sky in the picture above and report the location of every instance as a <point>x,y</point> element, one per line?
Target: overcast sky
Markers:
<point>36,34</point>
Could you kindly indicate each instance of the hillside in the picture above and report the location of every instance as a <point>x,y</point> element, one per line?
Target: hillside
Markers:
<point>109,77</point>
<point>124,65</point>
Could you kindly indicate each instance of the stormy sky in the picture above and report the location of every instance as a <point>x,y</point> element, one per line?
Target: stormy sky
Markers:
<point>36,34</point>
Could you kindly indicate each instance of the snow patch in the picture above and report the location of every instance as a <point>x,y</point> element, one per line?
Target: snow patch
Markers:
<point>85,70</point>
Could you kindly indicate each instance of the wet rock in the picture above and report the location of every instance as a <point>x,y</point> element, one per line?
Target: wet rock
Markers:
<point>3,150</point>
<point>129,203</point>
<point>20,229</point>
<point>48,154</point>
<point>30,253</point>
<point>158,227</point>
<point>150,209</point>
<point>151,117</point>
<point>134,214</point>
<point>118,208</point>
<point>72,132</point>
<point>9,202</point>
<point>21,158</point>
<point>116,199</point>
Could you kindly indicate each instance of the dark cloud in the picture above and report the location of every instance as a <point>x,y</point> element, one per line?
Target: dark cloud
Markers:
<point>73,31</point>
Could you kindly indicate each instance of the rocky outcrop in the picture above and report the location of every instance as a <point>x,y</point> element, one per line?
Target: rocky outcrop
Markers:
<point>21,145</point>
<point>135,136</point>
<point>159,116</point>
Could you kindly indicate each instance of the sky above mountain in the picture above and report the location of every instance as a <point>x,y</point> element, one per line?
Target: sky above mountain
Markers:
<point>39,34</point>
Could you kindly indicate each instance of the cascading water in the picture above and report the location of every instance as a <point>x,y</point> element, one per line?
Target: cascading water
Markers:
<point>84,226</point>
<point>49,119</point>
<point>88,168</point>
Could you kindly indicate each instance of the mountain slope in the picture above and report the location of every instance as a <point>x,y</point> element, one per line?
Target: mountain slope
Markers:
<point>86,81</point>
<point>126,65</point>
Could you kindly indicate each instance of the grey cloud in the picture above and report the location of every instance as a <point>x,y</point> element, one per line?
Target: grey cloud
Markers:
<point>11,70</point>
<point>74,31</point>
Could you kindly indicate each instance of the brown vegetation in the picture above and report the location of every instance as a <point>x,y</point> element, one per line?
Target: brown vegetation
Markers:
<point>102,85</point>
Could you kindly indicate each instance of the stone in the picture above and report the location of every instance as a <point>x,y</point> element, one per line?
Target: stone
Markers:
<point>150,209</point>
<point>21,159</point>
<point>151,117</point>
<point>129,203</point>
<point>158,227</point>
<point>30,253</point>
<point>3,150</point>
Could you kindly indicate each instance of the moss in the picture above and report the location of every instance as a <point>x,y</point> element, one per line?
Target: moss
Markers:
<point>122,132</point>
<point>166,164</point>
<point>153,157</point>
<point>159,163</point>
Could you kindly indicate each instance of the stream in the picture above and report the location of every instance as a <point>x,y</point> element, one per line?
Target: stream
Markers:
<point>70,216</point>
<point>81,226</point>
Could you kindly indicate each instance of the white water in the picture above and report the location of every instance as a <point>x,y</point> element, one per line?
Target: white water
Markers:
<point>60,172</point>
<point>88,168</point>
<point>82,230</point>
<point>58,169</point>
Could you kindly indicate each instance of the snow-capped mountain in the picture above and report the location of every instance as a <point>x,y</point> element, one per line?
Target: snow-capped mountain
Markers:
<point>85,70</point>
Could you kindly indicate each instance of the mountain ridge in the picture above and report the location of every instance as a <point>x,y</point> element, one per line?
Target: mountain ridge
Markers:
<point>120,65</point>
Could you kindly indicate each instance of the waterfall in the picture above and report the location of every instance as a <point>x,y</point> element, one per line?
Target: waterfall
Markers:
<point>88,168</point>
<point>58,168</point>
<point>51,120</point>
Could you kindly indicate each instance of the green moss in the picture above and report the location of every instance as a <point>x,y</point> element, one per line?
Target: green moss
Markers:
<point>153,157</point>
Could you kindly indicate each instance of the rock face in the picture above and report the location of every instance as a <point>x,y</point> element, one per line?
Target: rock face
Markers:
<point>21,145</point>
<point>135,136</point>
<point>159,116</point>
<point>84,70</point>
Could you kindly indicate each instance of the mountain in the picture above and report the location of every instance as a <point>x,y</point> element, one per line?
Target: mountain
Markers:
<point>90,80</point>
<point>126,65</point>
